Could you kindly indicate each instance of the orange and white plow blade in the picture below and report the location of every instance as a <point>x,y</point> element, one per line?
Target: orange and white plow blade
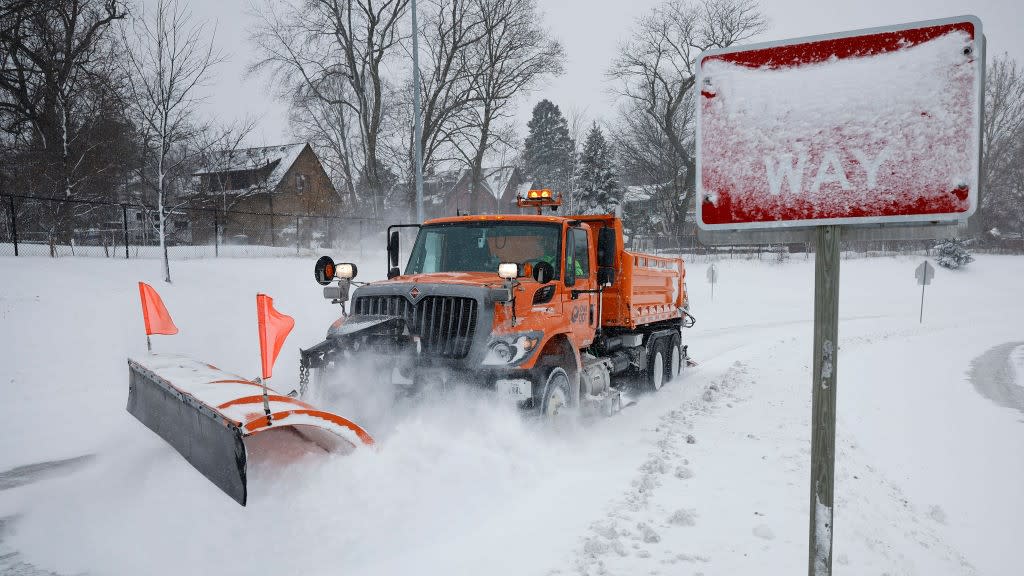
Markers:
<point>207,415</point>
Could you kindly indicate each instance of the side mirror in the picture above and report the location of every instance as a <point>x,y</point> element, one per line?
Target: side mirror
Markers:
<point>606,248</point>
<point>323,270</point>
<point>543,272</point>
<point>393,250</point>
<point>393,271</point>
<point>605,276</point>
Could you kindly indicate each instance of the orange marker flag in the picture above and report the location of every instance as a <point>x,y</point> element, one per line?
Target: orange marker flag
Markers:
<point>155,315</point>
<point>274,328</point>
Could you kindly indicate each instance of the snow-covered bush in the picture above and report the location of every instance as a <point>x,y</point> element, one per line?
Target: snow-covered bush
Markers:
<point>952,253</point>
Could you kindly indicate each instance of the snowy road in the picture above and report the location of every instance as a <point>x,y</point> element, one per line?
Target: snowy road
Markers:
<point>708,476</point>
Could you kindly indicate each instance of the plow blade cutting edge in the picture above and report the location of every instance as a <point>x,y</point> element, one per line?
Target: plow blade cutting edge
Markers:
<point>207,415</point>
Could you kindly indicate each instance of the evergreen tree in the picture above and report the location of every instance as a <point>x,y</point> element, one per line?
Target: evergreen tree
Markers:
<point>598,181</point>
<point>953,254</point>
<point>548,151</point>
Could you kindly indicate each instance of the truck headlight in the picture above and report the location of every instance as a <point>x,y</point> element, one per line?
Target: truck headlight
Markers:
<point>511,349</point>
<point>508,270</point>
<point>346,270</point>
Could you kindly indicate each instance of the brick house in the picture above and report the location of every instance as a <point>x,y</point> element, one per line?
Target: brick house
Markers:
<point>256,193</point>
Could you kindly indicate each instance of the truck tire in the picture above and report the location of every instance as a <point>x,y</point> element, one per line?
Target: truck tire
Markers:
<point>675,359</point>
<point>557,395</point>
<point>654,377</point>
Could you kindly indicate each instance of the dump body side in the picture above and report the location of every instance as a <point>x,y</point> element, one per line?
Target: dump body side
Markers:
<point>647,288</point>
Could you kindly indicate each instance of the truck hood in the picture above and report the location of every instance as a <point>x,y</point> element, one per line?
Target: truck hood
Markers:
<point>484,279</point>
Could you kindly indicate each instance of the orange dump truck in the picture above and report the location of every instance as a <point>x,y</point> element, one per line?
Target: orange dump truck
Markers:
<point>550,312</point>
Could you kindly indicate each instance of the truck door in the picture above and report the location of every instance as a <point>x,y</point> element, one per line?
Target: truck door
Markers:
<point>579,275</point>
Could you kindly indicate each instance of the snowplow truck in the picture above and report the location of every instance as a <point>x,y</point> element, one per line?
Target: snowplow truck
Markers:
<point>549,312</point>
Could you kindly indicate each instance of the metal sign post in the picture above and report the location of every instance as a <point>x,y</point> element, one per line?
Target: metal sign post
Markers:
<point>842,158</point>
<point>713,279</point>
<point>924,274</point>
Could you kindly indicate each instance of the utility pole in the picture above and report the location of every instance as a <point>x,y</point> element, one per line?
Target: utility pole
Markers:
<point>418,128</point>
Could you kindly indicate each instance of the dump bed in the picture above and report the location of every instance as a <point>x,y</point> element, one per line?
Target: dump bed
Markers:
<point>647,288</point>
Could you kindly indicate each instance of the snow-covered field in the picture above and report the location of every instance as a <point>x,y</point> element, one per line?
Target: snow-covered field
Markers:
<point>710,476</point>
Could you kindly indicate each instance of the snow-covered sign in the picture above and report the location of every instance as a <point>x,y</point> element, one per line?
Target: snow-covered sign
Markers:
<point>872,126</point>
<point>924,273</point>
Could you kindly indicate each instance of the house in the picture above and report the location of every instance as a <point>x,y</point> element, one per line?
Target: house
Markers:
<point>257,192</point>
<point>452,193</point>
<point>645,222</point>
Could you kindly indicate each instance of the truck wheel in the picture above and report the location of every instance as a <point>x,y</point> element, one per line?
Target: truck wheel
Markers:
<point>655,375</point>
<point>675,359</point>
<point>557,397</point>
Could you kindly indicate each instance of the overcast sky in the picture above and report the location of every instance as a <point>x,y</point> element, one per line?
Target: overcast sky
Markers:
<point>590,31</point>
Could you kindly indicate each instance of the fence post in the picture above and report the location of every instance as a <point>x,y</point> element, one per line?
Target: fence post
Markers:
<point>14,223</point>
<point>216,234</point>
<point>296,235</point>
<point>124,216</point>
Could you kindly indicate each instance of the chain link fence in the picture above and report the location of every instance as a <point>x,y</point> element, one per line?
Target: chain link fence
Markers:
<point>56,227</point>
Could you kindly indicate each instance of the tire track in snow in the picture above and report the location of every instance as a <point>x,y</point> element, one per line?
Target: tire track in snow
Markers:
<point>29,473</point>
<point>11,563</point>
<point>993,376</point>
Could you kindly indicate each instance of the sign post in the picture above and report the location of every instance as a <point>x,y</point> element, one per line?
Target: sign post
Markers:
<point>823,396</point>
<point>713,279</point>
<point>864,135</point>
<point>924,274</point>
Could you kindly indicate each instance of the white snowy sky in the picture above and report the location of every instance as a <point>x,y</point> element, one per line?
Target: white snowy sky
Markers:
<point>590,31</point>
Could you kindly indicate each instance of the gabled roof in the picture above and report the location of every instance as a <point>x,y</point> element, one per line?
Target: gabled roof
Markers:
<point>496,179</point>
<point>280,158</point>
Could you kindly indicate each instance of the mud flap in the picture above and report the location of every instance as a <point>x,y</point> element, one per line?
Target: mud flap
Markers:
<point>210,443</point>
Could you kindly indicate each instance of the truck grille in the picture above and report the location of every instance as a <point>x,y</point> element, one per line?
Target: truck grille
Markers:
<point>445,324</point>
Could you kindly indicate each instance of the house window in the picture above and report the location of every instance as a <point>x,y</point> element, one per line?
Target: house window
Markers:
<point>301,181</point>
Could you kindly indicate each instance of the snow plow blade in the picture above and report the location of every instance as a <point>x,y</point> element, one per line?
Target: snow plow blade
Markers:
<point>207,415</point>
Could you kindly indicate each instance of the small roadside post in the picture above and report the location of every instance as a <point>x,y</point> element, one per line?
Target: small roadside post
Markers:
<point>713,279</point>
<point>841,163</point>
<point>924,274</point>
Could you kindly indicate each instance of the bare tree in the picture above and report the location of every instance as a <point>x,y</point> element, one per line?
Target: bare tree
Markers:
<point>314,46</point>
<point>333,131</point>
<point>654,74</point>
<point>168,59</point>
<point>514,54</point>
<point>448,78</point>
<point>51,52</point>
<point>1002,143</point>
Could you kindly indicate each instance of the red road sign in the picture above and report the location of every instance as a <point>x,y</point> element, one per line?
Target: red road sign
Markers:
<point>872,126</point>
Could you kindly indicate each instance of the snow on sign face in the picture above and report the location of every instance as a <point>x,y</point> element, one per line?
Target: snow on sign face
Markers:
<point>862,127</point>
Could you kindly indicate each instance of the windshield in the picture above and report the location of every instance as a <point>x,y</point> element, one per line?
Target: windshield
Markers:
<point>481,246</point>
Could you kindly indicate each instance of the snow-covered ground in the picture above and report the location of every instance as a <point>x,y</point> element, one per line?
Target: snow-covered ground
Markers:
<point>710,476</point>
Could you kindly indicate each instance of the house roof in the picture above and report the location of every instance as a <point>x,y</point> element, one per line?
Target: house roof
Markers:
<point>497,178</point>
<point>281,157</point>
